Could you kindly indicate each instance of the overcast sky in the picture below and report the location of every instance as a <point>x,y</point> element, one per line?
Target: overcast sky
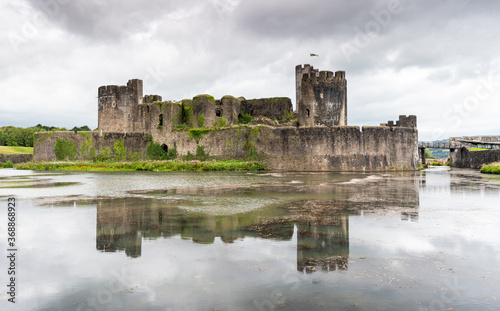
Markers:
<point>437,59</point>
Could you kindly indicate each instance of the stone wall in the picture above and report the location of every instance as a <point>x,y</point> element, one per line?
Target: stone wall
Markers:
<point>277,108</point>
<point>337,148</point>
<point>16,158</point>
<point>45,142</point>
<point>465,158</point>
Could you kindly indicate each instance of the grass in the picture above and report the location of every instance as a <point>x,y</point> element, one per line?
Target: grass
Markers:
<point>492,168</point>
<point>436,164</point>
<point>164,166</point>
<point>15,149</point>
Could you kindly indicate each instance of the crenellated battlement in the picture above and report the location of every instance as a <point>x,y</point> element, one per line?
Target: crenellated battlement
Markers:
<point>321,97</point>
<point>116,105</point>
<point>151,98</point>
<point>324,76</point>
<point>404,121</point>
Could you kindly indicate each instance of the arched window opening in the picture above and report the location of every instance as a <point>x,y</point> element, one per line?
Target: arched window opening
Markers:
<point>218,113</point>
<point>308,113</point>
<point>164,147</point>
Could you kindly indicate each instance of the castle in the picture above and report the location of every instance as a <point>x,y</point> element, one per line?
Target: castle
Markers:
<point>321,100</point>
<point>314,138</point>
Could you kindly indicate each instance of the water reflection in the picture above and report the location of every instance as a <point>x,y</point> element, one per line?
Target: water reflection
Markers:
<point>257,242</point>
<point>324,247</point>
<point>316,213</point>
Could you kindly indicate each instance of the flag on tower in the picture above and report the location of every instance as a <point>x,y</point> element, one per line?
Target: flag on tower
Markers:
<point>314,54</point>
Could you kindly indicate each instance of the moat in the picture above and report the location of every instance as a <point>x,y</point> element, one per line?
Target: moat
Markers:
<point>255,241</point>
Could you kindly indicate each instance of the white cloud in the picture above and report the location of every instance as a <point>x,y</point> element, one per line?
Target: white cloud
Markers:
<point>426,58</point>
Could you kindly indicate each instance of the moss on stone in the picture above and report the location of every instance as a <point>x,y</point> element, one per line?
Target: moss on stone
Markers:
<point>209,97</point>
<point>160,104</point>
<point>197,133</point>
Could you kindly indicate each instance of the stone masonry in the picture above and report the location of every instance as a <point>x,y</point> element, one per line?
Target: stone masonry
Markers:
<point>317,140</point>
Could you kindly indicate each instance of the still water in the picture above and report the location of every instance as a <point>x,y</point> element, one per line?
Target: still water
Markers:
<point>253,241</point>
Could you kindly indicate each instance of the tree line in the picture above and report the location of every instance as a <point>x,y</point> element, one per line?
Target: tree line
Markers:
<point>23,137</point>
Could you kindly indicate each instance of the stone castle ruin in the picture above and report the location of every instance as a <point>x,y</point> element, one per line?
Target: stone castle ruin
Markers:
<point>314,138</point>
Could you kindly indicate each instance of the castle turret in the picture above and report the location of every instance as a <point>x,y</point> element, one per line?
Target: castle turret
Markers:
<point>322,99</point>
<point>116,106</point>
<point>299,72</point>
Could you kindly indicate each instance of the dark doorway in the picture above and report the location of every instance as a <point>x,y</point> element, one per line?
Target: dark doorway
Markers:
<point>164,147</point>
<point>218,113</point>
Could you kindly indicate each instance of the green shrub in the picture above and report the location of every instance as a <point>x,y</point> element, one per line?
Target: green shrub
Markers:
<point>104,155</point>
<point>7,164</point>
<point>493,168</point>
<point>155,151</point>
<point>200,155</point>
<point>221,122</point>
<point>197,134</point>
<point>119,150</point>
<point>172,153</point>
<point>287,117</point>
<point>87,151</point>
<point>244,118</point>
<point>64,150</point>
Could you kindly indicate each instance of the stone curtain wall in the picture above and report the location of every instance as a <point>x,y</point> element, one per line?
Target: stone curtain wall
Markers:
<point>474,159</point>
<point>278,108</point>
<point>281,148</point>
<point>45,141</point>
<point>16,158</point>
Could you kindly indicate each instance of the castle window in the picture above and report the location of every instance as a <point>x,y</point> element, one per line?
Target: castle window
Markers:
<point>308,113</point>
<point>160,121</point>
<point>218,113</point>
<point>148,108</point>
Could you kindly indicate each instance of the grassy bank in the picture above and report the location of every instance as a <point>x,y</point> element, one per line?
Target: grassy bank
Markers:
<point>493,168</point>
<point>8,164</point>
<point>12,149</point>
<point>144,166</point>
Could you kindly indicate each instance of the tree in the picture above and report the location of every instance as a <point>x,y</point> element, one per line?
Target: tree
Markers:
<point>428,154</point>
<point>3,138</point>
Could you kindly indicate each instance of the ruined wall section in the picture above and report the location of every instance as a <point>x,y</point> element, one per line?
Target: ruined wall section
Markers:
<point>229,107</point>
<point>275,108</point>
<point>45,142</point>
<point>116,106</point>
<point>404,121</point>
<point>203,108</point>
<point>465,158</point>
<point>16,157</point>
<point>323,99</point>
<point>338,148</point>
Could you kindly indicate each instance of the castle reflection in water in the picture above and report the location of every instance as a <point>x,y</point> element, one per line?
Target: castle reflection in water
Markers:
<point>321,224</point>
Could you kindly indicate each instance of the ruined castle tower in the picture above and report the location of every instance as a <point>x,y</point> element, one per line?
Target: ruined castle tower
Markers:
<point>116,106</point>
<point>321,97</point>
<point>299,72</point>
